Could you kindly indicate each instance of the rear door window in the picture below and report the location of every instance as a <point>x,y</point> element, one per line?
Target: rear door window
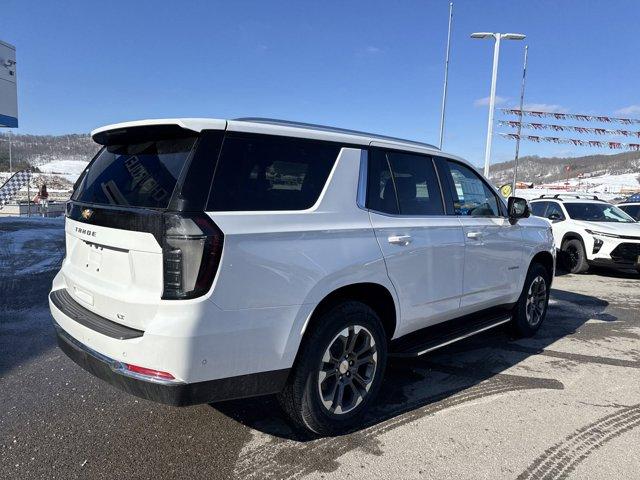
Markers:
<point>136,174</point>
<point>555,210</point>
<point>403,183</point>
<point>381,193</point>
<point>260,172</point>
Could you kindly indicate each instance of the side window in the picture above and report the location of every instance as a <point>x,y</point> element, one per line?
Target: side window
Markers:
<point>381,193</point>
<point>538,208</point>
<point>471,195</point>
<point>412,185</point>
<point>260,172</point>
<point>554,211</point>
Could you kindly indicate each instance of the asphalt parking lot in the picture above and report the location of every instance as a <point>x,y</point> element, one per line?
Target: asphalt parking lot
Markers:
<point>564,404</point>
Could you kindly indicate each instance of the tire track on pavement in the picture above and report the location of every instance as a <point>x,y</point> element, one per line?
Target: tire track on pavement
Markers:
<point>558,461</point>
<point>284,459</point>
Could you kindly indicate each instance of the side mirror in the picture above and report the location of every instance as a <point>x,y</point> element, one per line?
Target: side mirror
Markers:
<point>555,216</point>
<point>518,208</point>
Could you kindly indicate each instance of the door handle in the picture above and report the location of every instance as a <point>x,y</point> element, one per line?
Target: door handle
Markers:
<point>474,235</point>
<point>400,239</point>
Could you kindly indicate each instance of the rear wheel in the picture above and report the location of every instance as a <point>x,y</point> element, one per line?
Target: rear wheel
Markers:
<point>339,370</point>
<point>575,256</point>
<point>531,309</point>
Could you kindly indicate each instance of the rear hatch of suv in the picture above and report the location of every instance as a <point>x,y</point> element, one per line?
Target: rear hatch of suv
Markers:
<point>135,231</point>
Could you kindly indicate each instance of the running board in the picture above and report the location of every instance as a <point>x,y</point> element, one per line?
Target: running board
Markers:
<point>441,335</point>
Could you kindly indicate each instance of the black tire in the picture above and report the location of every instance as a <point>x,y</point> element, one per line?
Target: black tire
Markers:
<point>575,256</point>
<point>301,398</point>
<point>522,323</point>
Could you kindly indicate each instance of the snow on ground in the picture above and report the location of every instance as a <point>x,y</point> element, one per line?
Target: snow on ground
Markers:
<point>606,187</point>
<point>69,169</point>
<point>30,245</point>
<point>608,183</point>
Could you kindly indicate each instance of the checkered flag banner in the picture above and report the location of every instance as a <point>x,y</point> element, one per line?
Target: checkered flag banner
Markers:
<point>11,187</point>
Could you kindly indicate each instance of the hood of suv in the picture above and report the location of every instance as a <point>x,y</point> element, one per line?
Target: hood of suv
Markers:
<point>612,228</point>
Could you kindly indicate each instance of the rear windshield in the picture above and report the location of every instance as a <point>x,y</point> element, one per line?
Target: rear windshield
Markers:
<point>597,212</point>
<point>259,172</point>
<point>137,174</point>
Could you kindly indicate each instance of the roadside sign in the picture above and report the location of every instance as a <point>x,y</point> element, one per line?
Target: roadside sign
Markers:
<point>506,190</point>
<point>8,86</point>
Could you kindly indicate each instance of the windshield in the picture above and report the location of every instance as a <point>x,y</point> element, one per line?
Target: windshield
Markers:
<point>597,212</point>
<point>137,174</point>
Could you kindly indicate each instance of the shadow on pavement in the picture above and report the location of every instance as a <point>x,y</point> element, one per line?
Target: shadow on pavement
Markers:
<point>31,251</point>
<point>613,273</point>
<point>446,375</point>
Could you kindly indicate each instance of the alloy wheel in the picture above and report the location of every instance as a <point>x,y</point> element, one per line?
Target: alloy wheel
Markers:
<point>536,300</point>
<point>347,369</point>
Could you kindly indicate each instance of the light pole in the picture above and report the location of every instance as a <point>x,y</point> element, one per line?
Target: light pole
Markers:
<point>494,78</point>
<point>446,76</point>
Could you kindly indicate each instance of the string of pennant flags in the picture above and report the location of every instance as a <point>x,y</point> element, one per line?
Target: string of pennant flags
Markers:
<point>570,116</point>
<point>613,145</point>
<point>573,141</point>
<point>567,128</point>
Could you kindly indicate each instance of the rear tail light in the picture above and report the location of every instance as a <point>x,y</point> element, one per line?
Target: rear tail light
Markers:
<point>192,248</point>
<point>149,372</point>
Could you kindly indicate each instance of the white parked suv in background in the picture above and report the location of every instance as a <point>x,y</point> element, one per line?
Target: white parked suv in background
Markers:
<point>211,259</point>
<point>589,231</point>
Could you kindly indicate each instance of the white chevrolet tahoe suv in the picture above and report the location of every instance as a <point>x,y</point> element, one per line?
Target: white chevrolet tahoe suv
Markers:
<point>212,259</point>
<point>589,231</point>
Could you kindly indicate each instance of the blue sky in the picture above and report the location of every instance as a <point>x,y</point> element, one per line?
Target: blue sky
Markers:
<point>369,65</point>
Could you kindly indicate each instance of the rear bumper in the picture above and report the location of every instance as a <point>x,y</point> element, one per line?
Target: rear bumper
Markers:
<point>170,393</point>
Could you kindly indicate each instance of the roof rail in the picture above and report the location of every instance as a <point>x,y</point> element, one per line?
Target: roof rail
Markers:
<point>558,196</point>
<point>325,128</point>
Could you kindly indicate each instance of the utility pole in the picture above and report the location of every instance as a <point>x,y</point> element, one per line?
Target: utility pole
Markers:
<point>28,194</point>
<point>446,77</point>
<point>10,170</point>
<point>515,160</point>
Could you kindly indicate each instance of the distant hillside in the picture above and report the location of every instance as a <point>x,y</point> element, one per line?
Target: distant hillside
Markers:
<point>40,149</point>
<point>544,170</point>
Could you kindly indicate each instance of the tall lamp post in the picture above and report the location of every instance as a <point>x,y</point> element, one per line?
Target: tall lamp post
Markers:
<point>494,78</point>
<point>446,76</point>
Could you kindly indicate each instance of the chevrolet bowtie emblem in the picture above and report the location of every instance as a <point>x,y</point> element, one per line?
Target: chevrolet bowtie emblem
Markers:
<point>87,213</point>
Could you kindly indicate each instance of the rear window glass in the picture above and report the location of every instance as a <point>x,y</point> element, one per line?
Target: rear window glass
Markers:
<point>136,175</point>
<point>270,173</point>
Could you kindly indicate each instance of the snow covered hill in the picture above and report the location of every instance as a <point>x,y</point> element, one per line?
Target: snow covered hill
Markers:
<point>69,169</point>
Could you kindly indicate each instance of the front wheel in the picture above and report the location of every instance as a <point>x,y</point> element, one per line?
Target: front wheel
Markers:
<point>338,371</point>
<point>575,256</point>
<point>531,309</point>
